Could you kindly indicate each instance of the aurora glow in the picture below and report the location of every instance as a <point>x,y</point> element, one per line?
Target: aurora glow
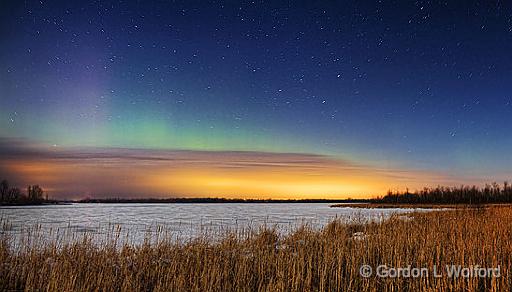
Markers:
<point>414,94</point>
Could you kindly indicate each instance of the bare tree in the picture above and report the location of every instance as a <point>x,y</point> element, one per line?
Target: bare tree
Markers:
<point>35,193</point>
<point>4,189</point>
<point>14,194</point>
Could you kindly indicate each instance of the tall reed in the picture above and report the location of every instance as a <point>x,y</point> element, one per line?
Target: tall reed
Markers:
<point>304,260</point>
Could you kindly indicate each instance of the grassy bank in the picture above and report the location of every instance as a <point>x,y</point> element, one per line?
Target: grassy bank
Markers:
<point>306,260</point>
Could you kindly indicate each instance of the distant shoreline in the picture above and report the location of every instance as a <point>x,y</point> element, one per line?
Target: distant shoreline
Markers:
<point>43,203</point>
<point>348,203</point>
<point>216,201</point>
<point>187,201</point>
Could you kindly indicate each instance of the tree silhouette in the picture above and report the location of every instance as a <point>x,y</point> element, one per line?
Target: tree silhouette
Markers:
<point>493,193</point>
<point>4,189</point>
<point>15,195</point>
<point>35,193</point>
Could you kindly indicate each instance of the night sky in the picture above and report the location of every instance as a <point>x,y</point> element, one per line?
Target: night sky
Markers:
<point>408,93</point>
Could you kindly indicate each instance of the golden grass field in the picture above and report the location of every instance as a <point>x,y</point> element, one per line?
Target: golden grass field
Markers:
<point>306,260</point>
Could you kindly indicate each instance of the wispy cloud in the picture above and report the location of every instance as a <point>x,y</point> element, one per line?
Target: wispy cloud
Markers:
<point>106,172</point>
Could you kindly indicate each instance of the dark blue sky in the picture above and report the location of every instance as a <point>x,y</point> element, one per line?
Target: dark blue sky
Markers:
<point>423,85</point>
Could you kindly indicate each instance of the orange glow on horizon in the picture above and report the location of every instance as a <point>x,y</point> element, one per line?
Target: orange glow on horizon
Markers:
<point>202,174</point>
<point>265,184</point>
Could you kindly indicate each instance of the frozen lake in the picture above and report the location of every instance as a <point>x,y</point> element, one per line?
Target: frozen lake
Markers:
<point>180,221</point>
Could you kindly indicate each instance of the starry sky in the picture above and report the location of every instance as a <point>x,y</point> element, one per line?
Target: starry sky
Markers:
<point>336,98</point>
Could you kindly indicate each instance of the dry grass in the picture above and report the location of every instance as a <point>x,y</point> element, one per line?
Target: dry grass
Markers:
<point>306,260</point>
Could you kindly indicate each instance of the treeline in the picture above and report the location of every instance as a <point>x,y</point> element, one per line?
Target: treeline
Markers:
<point>13,195</point>
<point>490,193</point>
<point>212,200</point>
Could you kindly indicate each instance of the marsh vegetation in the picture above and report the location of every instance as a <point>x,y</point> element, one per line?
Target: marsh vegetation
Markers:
<point>304,260</point>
